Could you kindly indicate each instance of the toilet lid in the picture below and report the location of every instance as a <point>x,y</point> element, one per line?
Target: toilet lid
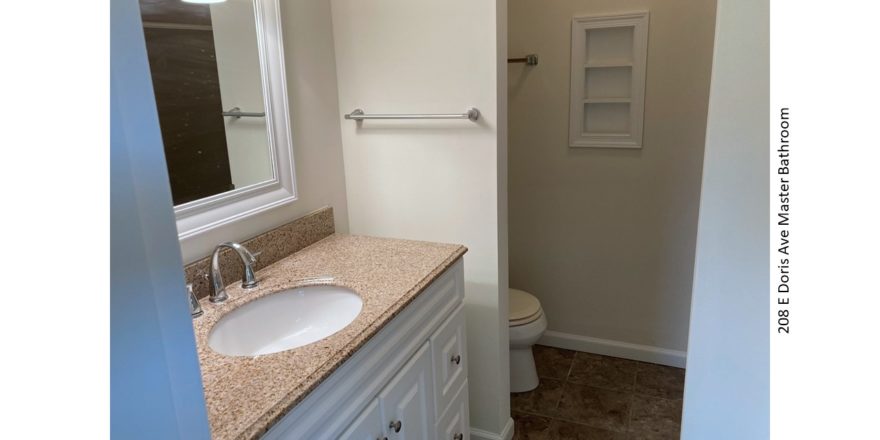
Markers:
<point>524,307</point>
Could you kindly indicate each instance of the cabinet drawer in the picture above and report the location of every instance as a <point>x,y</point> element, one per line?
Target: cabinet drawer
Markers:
<point>455,423</point>
<point>449,356</point>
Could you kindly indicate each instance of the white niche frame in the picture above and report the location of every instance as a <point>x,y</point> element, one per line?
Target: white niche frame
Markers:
<point>200,216</point>
<point>608,62</point>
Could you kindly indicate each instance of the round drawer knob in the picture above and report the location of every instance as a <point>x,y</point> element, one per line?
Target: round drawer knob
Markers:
<point>456,359</point>
<point>396,426</point>
<point>458,436</point>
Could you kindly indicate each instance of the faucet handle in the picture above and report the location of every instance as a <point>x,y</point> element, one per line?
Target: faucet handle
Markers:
<point>195,309</point>
<point>249,281</point>
<point>248,257</point>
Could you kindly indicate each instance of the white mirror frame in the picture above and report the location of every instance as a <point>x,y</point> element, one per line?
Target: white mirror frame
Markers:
<point>199,216</point>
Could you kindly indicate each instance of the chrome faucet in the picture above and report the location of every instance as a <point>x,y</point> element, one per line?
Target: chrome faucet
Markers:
<point>248,282</point>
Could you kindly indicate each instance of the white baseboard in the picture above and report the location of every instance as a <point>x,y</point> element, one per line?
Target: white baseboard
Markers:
<point>506,433</point>
<point>607,347</point>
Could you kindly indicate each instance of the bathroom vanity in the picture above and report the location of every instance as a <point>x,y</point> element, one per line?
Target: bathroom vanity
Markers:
<point>398,371</point>
<point>408,382</point>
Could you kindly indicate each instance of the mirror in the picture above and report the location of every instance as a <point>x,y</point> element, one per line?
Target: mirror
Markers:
<point>218,80</point>
<point>205,65</point>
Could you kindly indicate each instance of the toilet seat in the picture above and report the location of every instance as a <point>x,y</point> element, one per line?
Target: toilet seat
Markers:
<point>524,308</point>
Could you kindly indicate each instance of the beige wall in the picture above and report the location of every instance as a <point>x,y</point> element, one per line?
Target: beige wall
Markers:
<point>605,238</point>
<point>317,148</point>
<point>433,180</point>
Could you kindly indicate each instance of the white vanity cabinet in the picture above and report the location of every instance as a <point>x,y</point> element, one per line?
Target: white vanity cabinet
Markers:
<point>409,382</point>
<point>367,424</point>
<point>405,406</point>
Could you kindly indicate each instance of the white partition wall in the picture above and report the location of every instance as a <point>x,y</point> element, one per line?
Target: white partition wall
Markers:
<point>437,180</point>
<point>726,394</point>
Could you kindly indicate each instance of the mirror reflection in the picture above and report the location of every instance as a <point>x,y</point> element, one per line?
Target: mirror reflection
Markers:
<point>206,70</point>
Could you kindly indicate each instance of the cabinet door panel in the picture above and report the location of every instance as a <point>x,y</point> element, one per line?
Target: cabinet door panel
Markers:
<point>407,401</point>
<point>448,350</point>
<point>367,426</point>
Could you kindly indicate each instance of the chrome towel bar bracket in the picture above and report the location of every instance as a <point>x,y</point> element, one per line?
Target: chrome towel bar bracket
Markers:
<point>236,113</point>
<point>530,60</point>
<point>358,115</point>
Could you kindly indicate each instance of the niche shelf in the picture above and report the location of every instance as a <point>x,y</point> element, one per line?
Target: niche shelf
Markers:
<point>608,57</point>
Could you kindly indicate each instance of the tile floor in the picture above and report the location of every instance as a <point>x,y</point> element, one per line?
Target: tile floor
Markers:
<point>584,396</point>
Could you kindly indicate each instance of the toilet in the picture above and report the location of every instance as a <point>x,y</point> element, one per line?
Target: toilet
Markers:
<point>527,323</point>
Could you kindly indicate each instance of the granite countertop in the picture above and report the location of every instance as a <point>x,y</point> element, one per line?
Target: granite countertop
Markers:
<point>245,396</point>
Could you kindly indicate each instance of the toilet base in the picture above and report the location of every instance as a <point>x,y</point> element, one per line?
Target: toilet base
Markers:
<point>523,376</point>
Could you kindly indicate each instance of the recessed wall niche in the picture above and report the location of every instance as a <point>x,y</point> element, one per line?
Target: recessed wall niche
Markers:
<point>608,56</point>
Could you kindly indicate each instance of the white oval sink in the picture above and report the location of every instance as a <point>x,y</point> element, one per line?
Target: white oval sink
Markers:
<point>285,320</point>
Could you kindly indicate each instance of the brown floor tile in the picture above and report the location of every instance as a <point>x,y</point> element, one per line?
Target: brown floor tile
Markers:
<point>542,400</point>
<point>530,427</point>
<point>552,362</point>
<point>651,436</point>
<point>603,371</point>
<point>562,430</point>
<point>655,416</point>
<point>584,396</point>
<point>599,408</point>
<point>660,381</point>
